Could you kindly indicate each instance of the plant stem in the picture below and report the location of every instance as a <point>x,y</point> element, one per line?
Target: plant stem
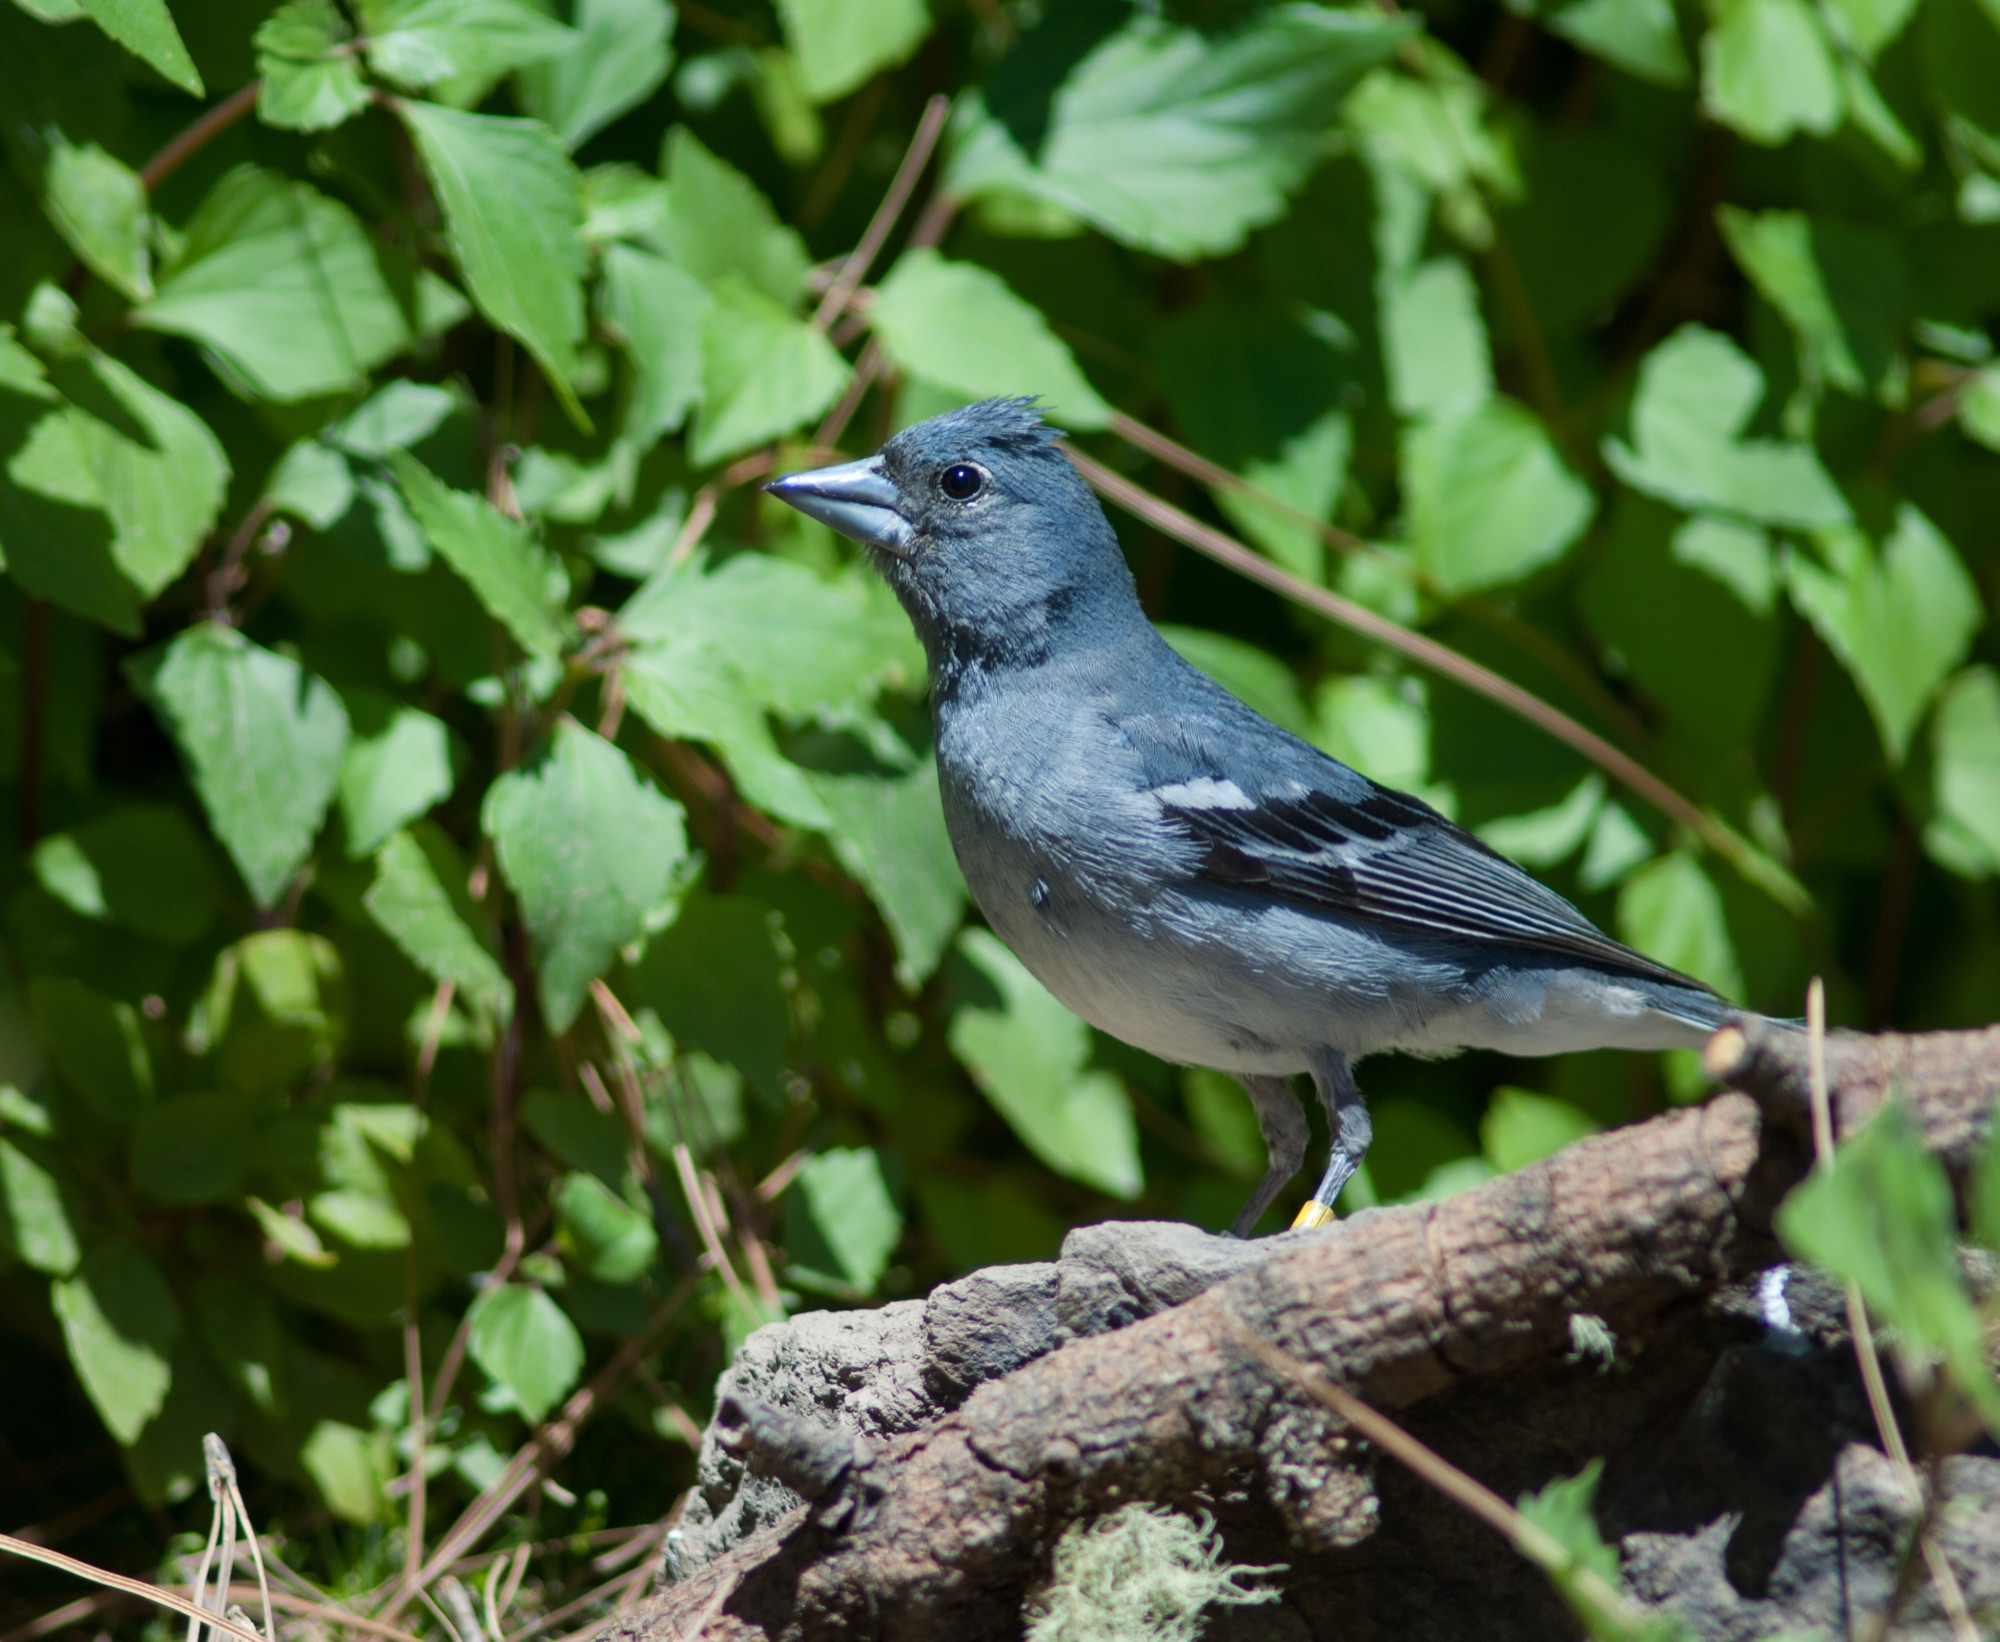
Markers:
<point>199,135</point>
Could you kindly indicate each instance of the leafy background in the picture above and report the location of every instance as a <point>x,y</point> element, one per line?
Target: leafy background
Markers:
<point>479,932</point>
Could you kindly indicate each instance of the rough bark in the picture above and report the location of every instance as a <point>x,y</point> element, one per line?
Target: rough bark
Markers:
<point>904,1474</point>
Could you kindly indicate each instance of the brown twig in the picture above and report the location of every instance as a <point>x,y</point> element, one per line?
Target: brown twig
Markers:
<point>1427,652</point>
<point>143,1589</point>
<point>180,149</point>
<point>540,1454</point>
<point>1556,657</point>
<point>855,267</point>
<point>1531,1540</point>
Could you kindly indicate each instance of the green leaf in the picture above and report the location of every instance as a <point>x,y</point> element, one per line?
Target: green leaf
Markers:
<point>1028,1055</point>
<point>119,1322</point>
<point>1541,838</point>
<point>1434,342</point>
<point>1697,390</point>
<point>1900,623</point>
<point>147,461</point>
<point>517,580</point>
<point>1564,1511</point>
<point>522,1340</point>
<point>805,645</point>
<point>395,417</point>
<point>194,1148</point>
<point>841,1219</point>
<point>284,284</point>
<point>391,774</point>
<point>96,1043</point>
<point>1768,70</point>
<point>358,1143</point>
<point>1979,407</point>
<point>718,225</point>
<point>1308,475</point>
<point>889,833</point>
<point>716,980</point>
<point>603,1234</point>
<point>1882,1219</point>
<point>1670,910</point>
<point>1639,36</point>
<point>310,83</point>
<point>34,1218</point>
<point>263,740</point>
<point>1521,1127</point>
<point>515,220</point>
<point>1436,129</point>
<point>1841,291</point>
<point>1177,144</point>
<point>1490,500</point>
<point>657,310</point>
<point>1869,25</point>
<point>146,29</point>
<point>351,1468</point>
<point>763,373</point>
<point>1739,556</point>
<point>1965,781</point>
<point>839,43</point>
<point>312,483</point>
<point>959,326</point>
<point>1253,676</point>
<point>419,43</point>
<point>591,849</point>
<point>414,909</point>
<point>617,60</point>
<point>287,1236</point>
<point>99,205</point>
<point>141,865</point>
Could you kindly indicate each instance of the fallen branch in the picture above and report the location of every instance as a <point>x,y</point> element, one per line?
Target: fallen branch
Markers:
<point>947,1525</point>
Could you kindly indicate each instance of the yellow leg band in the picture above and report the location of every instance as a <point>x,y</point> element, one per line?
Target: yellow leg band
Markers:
<point>1314,1213</point>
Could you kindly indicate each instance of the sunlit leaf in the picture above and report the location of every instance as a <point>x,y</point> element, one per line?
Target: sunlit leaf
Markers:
<point>522,1339</point>
<point>839,43</point>
<point>1900,620</point>
<point>959,326</point>
<point>616,61</point>
<point>1697,390</point>
<point>310,83</point>
<point>417,912</point>
<point>100,207</point>
<point>511,208</point>
<point>119,1322</point>
<point>1180,145</point>
<point>592,850</point>
<point>146,29</point>
<point>1028,1054</point>
<point>842,1220</point>
<point>763,372</point>
<point>284,284</point>
<point>263,740</point>
<point>515,578</point>
<point>1882,1218</point>
<point>1768,70</point>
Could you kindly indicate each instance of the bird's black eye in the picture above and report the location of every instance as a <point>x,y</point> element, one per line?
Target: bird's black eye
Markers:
<point>962,481</point>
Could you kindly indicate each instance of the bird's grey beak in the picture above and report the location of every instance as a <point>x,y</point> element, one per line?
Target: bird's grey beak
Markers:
<point>857,499</point>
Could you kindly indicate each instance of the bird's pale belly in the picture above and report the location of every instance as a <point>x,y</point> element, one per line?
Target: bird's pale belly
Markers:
<point>1261,992</point>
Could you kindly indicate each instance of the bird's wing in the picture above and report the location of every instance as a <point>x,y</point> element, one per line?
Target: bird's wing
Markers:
<point>1322,836</point>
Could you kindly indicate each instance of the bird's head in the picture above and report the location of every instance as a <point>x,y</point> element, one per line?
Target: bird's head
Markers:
<point>981,525</point>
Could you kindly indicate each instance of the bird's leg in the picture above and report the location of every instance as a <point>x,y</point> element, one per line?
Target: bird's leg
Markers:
<point>1283,1123</point>
<point>1347,1123</point>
